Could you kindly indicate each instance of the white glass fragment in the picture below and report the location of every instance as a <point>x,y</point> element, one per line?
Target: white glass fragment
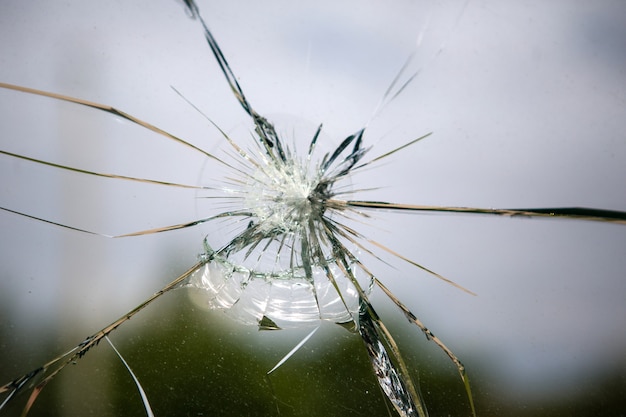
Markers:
<point>287,298</point>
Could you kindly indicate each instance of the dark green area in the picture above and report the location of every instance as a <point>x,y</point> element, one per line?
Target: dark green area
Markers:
<point>199,363</point>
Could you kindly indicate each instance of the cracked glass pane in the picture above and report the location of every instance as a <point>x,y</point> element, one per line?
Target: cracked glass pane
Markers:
<point>320,194</point>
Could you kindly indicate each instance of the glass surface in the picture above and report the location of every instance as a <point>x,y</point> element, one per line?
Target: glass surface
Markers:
<point>527,105</point>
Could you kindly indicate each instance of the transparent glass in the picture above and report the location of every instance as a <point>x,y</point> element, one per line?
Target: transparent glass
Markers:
<point>525,102</point>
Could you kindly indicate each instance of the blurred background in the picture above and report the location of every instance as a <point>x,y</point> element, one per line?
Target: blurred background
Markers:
<point>527,103</point>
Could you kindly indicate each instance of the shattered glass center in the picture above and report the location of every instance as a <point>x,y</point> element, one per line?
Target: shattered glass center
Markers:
<point>282,196</point>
